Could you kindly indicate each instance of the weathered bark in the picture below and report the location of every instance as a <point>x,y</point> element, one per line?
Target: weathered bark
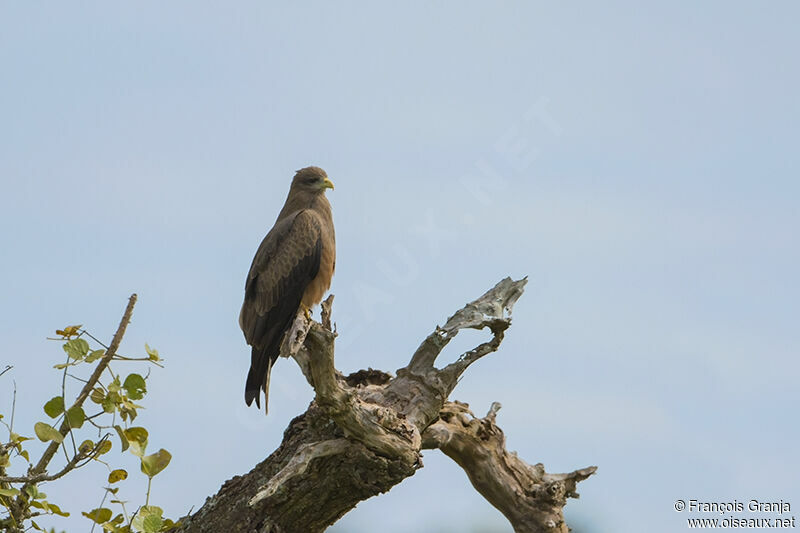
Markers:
<point>363,434</point>
<point>529,497</point>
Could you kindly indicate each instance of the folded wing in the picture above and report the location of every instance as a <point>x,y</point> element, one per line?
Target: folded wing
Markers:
<point>287,260</point>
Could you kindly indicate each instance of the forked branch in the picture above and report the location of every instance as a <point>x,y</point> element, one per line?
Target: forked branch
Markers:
<point>363,434</point>
<point>531,499</point>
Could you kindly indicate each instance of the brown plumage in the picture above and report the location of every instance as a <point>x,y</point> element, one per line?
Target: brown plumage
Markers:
<point>293,267</point>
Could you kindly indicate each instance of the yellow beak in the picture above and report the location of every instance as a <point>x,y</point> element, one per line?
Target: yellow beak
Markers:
<point>327,184</point>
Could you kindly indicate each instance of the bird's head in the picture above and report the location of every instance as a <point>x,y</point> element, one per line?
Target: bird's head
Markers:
<point>311,179</point>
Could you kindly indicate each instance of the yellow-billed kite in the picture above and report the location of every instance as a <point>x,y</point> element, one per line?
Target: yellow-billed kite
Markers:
<point>292,268</point>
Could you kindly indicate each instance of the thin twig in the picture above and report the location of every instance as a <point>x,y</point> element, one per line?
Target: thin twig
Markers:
<point>42,477</point>
<point>146,359</point>
<point>95,339</point>
<point>73,376</point>
<point>64,401</point>
<point>13,406</point>
<point>71,465</point>
<point>105,495</point>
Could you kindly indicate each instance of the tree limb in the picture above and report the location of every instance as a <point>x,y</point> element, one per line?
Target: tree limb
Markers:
<point>528,497</point>
<point>363,434</point>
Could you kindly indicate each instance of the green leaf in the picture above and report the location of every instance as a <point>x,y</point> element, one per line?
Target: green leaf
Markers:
<point>76,416</point>
<point>40,505</point>
<point>46,433</point>
<point>98,395</point>
<point>137,438</point>
<point>122,438</point>
<point>32,491</point>
<point>151,353</point>
<point>54,407</point>
<point>110,402</point>
<point>98,516</point>
<point>104,448</point>
<point>114,386</point>
<point>94,355</point>
<point>76,348</point>
<point>16,438</point>
<point>117,475</point>
<point>152,523</point>
<point>9,492</point>
<point>86,446</point>
<point>148,519</point>
<point>55,509</point>
<point>127,409</point>
<point>155,463</point>
<point>135,386</point>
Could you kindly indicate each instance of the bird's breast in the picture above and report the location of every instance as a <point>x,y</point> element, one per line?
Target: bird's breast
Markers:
<point>327,263</point>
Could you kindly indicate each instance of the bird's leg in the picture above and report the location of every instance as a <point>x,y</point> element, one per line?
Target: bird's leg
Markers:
<point>306,311</point>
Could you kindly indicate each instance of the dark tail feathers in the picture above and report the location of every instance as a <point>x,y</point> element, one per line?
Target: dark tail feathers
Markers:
<point>254,384</point>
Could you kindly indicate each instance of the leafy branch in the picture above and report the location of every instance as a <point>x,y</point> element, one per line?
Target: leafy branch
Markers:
<point>113,397</point>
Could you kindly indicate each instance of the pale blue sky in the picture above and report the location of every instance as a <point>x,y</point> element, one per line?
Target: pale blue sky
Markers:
<point>639,164</point>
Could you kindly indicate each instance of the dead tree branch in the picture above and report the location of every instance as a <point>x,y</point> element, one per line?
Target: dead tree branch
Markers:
<point>529,497</point>
<point>363,434</point>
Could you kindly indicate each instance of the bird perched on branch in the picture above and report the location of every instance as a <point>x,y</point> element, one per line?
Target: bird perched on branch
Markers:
<point>291,270</point>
